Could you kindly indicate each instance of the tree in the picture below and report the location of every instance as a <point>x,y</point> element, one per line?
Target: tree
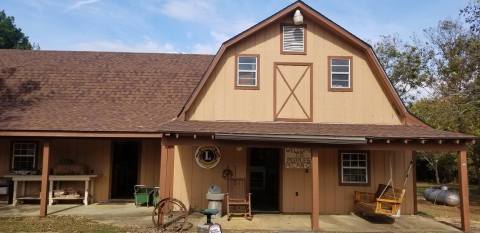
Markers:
<point>452,58</point>
<point>472,15</point>
<point>455,65</point>
<point>440,114</point>
<point>12,37</point>
<point>453,61</point>
<point>404,65</point>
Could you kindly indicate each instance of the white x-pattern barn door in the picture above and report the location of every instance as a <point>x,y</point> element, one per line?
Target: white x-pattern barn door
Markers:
<point>292,92</point>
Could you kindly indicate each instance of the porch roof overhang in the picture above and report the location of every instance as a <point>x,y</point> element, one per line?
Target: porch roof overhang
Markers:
<point>314,133</point>
<point>369,131</point>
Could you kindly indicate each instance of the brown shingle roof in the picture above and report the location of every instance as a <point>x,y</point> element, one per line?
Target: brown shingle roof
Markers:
<point>95,91</point>
<point>311,129</point>
<point>134,92</point>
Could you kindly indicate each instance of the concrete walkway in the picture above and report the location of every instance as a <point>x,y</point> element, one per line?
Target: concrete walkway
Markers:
<point>126,214</point>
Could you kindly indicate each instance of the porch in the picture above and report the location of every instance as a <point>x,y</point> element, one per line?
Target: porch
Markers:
<point>316,190</point>
<point>126,214</point>
<point>319,191</point>
<point>80,169</point>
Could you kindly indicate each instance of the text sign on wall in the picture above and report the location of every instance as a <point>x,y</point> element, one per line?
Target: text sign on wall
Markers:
<point>298,157</point>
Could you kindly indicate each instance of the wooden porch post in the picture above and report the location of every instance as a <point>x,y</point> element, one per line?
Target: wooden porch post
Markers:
<point>166,171</point>
<point>463,183</point>
<point>414,178</point>
<point>44,184</point>
<point>315,191</point>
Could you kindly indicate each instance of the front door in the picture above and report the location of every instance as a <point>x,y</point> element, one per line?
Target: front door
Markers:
<point>292,93</point>
<point>264,179</point>
<point>124,168</point>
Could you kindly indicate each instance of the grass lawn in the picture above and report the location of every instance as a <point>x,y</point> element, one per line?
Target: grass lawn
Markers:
<point>448,214</point>
<point>57,224</point>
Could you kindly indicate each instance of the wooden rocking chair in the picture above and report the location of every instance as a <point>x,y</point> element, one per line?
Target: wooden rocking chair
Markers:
<point>237,198</point>
<point>387,201</point>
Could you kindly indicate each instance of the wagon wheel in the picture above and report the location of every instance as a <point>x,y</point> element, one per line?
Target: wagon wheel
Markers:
<point>170,214</point>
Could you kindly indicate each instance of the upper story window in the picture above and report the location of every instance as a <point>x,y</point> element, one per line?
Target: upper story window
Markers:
<point>247,72</point>
<point>293,39</point>
<point>340,75</point>
<point>24,155</point>
<point>354,168</point>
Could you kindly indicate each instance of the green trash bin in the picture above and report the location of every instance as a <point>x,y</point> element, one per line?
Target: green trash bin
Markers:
<point>143,195</point>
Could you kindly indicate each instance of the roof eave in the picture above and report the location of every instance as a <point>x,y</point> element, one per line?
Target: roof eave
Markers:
<point>78,134</point>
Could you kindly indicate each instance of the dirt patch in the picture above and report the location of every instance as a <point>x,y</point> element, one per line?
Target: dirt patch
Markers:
<point>58,224</point>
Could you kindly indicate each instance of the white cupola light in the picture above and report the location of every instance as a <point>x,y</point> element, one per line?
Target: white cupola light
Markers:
<point>297,17</point>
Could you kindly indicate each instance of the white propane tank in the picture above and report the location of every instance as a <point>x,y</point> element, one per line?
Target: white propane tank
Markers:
<point>441,195</point>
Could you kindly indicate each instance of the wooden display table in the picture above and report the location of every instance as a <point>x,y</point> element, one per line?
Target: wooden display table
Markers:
<point>88,179</point>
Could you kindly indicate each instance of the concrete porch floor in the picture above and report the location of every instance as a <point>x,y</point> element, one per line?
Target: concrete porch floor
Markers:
<point>126,214</point>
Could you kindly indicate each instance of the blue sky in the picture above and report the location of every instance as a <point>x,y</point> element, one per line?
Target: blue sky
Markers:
<point>200,26</point>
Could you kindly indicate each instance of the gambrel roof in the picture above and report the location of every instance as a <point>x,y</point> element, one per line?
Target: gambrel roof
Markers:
<point>326,23</point>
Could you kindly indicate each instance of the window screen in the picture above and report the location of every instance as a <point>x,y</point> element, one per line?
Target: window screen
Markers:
<point>247,71</point>
<point>24,155</point>
<point>340,73</point>
<point>354,167</point>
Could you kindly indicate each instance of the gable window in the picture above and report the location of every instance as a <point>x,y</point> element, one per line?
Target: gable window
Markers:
<point>340,74</point>
<point>354,168</point>
<point>247,72</point>
<point>293,39</point>
<point>24,155</point>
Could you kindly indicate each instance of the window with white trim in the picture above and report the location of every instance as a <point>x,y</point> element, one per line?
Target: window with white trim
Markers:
<point>340,73</point>
<point>247,71</point>
<point>293,39</point>
<point>354,167</point>
<point>24,155</point>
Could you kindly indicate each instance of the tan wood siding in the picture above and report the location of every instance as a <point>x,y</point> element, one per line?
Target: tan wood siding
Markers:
<point>96,155</point>
<point>150,162</point>
<point>335,199</point>
<point>191,182</point>
<point>367,103</point>
<point>297,181</point>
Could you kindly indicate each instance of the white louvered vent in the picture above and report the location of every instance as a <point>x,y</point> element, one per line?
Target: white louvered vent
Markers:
<point>293,39</point>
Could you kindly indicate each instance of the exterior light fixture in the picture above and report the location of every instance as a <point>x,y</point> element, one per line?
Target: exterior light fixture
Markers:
<point>297,17</point>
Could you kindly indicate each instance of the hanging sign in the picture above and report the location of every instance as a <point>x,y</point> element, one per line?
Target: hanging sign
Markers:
<point>298,157</point>
<point>207,156</point>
